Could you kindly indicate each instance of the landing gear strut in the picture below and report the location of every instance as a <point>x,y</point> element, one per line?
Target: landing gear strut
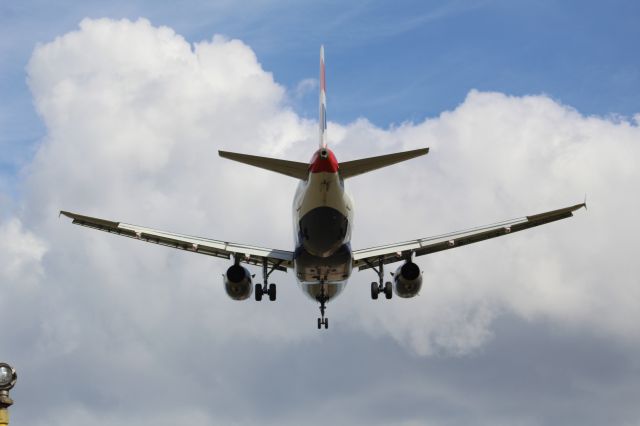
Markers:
<point>379,287</point>
<point>322,321</point>
<point>269,289</point>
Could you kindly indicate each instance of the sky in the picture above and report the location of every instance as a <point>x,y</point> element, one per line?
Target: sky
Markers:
<point>117,110</point>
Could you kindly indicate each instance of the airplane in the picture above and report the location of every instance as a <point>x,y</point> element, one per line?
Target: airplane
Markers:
<point>323,218</point>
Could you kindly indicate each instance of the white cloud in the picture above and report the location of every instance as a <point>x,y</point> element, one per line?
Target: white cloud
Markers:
<point>135,116</point>
<point>305,87</point>
<point>134,130</point>
<point>20,252</point>
<point>497,157</point>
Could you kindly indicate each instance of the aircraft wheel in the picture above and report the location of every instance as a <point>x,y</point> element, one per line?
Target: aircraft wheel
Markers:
<point>258,292</point>
<point>272,292</point>
<point>374,291</point>
<point>326,323</point>
<point>319,323</point>
<point>388,290</point>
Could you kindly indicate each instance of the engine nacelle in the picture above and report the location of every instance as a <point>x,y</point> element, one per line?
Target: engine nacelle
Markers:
<point>237,283</point>
<point>407,280</point>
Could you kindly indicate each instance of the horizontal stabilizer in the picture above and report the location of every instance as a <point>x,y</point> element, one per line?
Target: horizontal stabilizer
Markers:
<point>290,168</point>
<point>357,167</point>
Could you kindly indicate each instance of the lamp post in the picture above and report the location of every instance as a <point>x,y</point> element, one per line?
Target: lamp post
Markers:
<point>8,379</point>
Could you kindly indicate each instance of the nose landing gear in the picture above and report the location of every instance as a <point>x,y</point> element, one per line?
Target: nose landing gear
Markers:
<point>322,321</point>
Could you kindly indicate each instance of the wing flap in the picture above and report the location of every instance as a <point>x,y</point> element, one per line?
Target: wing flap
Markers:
<point>280,259</point>
<point>363,259</point>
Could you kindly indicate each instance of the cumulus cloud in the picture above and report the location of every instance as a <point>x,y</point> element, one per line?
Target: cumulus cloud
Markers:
<point>135,115</point>
<point>498,157</point>
<point>134,130</point>
<point>20,251</point>
<point>305,87</point>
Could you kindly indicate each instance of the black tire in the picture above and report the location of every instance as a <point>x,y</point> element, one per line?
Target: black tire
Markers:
<point>326,323</point>
<point>272,292</point>
<point>319,323</point>
<point>374,291</point>
<point>388,290</point>
<point>258,292</point>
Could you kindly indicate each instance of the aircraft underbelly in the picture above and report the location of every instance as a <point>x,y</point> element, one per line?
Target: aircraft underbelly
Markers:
<point>322,226</point>
<point>327,290</point>
<point>310,268</point>
<point>323,276</point>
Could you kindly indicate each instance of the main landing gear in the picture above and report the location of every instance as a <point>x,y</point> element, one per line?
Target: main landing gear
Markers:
<point>377,288</point>
<point>269,289</point>
<point>322,321</point>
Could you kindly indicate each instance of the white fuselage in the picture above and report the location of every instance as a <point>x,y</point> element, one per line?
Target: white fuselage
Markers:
<point>323,216</point>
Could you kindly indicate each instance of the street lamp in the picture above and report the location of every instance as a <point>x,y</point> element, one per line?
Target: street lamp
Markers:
<point>8,379</point>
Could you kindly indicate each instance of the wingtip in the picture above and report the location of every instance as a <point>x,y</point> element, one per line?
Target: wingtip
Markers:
<point>579,206</point>
<point>421,151</point>
<point>418,151</point>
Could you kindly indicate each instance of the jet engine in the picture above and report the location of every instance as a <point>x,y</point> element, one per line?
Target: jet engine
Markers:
<point>237,283</point>
<point>407,280</point>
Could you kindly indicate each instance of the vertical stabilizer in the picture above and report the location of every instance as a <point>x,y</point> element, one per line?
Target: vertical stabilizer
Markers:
<point>323,102</point>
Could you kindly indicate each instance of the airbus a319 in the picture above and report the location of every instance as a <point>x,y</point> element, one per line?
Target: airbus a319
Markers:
<point>322,258</point>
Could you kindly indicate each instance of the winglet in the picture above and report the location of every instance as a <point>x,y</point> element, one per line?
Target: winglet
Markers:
<point>585,201</point>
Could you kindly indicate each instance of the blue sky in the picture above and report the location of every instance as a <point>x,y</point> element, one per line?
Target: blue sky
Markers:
<point>537,328</point>
<point>387,61</point>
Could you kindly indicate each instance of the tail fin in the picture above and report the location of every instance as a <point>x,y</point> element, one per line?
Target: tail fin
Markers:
<point>323,102</point>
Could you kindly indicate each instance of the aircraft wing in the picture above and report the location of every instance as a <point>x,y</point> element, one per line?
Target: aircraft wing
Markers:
<point>367,258</point>
<point>278,259</point>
